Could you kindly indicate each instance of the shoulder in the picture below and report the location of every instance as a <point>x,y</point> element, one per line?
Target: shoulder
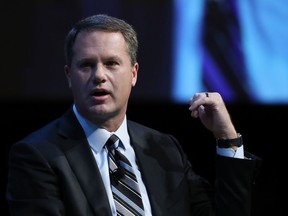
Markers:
<point>48,136</point>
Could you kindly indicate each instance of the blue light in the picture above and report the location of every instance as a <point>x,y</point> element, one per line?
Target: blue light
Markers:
<point>265,39</point>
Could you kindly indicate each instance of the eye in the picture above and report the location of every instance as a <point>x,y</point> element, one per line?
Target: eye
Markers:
<point>111,63</point>
<point>86,64</point>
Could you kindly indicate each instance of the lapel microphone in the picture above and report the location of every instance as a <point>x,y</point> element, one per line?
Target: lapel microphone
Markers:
<point>118,173</point>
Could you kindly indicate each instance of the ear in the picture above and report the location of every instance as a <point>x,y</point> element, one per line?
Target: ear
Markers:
<point>134,74</point>
<point>67,72</point>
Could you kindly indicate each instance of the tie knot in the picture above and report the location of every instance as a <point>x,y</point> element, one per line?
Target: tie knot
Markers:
<point>111,142</point>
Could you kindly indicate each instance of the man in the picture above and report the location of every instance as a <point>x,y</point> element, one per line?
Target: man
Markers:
<point>64,167</point>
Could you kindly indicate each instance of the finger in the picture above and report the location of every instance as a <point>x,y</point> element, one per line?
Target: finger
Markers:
<point>201,111</point>
<point>199,99</point>
<point>194,113</point>
<point>194,104</point>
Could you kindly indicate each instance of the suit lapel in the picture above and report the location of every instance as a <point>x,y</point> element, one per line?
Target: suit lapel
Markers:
<point>83,164</point>
<point>153,174</point>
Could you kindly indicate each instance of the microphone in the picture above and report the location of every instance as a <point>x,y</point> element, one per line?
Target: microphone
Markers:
<point>118,173</point>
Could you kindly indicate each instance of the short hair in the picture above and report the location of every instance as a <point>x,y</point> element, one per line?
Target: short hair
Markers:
<point>104,23</point>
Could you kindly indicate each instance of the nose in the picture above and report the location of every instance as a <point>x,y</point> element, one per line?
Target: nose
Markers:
<point>98,74</point>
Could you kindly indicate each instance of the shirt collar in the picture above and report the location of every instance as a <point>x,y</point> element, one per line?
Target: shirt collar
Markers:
<point>97,137</point>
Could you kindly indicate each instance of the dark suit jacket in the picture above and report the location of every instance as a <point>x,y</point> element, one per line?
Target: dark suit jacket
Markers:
<point>53,172</point>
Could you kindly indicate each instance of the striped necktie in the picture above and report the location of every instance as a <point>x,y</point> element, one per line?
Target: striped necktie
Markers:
<point>124,184</point>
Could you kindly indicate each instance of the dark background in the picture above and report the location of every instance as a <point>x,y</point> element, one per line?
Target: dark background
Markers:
<point>32,45</point>
<point>33,89</point>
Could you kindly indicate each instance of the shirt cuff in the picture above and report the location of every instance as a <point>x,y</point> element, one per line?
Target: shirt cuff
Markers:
<point>229,152</point>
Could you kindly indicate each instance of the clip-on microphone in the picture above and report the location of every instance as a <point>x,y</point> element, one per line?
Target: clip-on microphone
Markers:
<point>118,173</point>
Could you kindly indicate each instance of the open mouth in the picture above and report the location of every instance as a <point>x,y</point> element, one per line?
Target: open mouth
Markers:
<point>100,92</point>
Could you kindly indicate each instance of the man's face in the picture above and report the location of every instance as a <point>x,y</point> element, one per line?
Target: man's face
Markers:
<point>101,75</point>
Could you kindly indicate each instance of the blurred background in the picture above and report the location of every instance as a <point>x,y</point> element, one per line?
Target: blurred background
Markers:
<point>238,48</point>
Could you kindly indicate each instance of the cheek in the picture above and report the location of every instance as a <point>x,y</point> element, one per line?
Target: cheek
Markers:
<point>77,82</point>
<point>123,86</point>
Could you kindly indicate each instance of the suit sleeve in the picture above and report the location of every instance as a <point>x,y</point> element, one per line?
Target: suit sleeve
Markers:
<point>32,185</point>
<point>234,183</point>
<point>231,191</point>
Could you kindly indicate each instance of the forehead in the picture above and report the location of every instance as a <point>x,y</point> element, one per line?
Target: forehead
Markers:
<point>100,42</point>
<point>100,38</point>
